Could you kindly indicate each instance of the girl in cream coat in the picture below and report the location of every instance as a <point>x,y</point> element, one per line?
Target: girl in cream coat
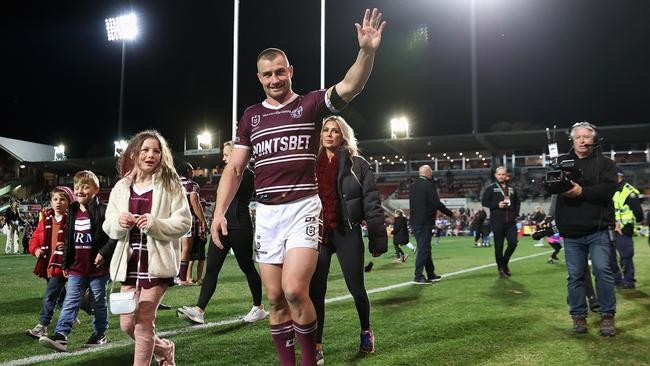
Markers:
<point>147,213</point>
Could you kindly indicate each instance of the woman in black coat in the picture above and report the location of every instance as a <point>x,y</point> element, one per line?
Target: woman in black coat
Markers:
<point>347,190</point>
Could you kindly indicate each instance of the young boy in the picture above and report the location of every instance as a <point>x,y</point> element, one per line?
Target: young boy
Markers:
<point>85,257</point>
<point>47,246</point>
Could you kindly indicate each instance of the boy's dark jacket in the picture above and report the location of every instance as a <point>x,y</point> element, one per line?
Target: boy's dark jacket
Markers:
<point>101,242</point>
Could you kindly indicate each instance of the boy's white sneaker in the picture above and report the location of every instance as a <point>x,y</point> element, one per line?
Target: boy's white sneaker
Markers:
<point>38,331</point>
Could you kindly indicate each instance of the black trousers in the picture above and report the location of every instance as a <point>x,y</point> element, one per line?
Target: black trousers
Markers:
<point>504,231</point>
<point>398,251</point>
<point>241,242</point>
<point>349,248</point>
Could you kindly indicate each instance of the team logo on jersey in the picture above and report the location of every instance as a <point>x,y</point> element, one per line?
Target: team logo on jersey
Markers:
<point>310,230</point>
<point>296,113</point>
<point>255,120</point>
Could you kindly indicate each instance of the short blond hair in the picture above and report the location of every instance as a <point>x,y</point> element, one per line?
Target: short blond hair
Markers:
<point>86,177</point>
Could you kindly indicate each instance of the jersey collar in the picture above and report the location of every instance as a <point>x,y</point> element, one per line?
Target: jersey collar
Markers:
<point>279,106</point>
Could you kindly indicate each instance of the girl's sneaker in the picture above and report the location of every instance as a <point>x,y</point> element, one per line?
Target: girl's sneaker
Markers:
<point>367,342</point>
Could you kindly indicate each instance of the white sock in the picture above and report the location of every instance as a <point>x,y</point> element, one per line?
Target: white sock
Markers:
<point>410,246</point>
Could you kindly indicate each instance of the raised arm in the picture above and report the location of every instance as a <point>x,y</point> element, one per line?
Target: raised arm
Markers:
<point>369,35</point>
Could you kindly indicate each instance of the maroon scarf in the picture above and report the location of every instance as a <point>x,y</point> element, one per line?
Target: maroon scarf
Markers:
<point>326,173</point>
<point>49,264</point>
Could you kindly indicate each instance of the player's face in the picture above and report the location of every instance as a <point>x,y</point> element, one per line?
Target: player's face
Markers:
<point>501,175</point>
<point>331,137</point>
<point>227,151</point>
<point>59,203</point>
<point>149,156</point>
<point>84,192</point>
<point>582,137</point>
<point>275,77</point>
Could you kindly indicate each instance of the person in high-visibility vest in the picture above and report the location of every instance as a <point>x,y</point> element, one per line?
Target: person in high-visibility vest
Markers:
<point>627,211</point>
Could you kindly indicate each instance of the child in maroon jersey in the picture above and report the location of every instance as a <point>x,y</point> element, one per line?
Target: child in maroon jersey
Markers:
<point>85,252</point>
<point>148,214</point>
<point>47,246</point>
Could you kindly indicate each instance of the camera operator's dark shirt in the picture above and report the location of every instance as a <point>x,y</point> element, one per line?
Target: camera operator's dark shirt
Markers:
<point>593,210</point>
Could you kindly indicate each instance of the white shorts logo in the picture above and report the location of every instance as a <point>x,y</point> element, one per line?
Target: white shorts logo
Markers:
<point>296,113</point>
<point>255,120</point>
<point>311,230</point>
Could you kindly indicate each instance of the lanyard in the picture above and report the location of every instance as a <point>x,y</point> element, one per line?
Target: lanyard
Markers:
<point>501,189</point>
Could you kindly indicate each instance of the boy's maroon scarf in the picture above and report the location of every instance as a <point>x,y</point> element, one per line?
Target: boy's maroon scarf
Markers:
<point>49,265</point>
<point>326,172</point>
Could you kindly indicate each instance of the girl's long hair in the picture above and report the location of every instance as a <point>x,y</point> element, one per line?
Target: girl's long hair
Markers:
<point>127,162</point>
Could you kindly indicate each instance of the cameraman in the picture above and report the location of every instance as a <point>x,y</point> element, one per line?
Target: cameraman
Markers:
<point>584,214</point>
<point>503,202</point>
<point>627,211</point>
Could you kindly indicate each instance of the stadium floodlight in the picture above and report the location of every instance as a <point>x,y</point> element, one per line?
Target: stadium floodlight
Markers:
<point>122,28</point>
<point>59,152</point>
<point>120,146</point>
<point>399,128</point>
<point>204,141</point>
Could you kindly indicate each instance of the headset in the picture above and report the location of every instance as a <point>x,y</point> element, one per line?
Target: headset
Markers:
<point>596,140</point>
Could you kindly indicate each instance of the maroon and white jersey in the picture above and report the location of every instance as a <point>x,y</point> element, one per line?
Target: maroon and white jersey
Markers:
<point>284,141</point>
<point>83,265</point>
<point>140,204</point>
<point>190,186</point>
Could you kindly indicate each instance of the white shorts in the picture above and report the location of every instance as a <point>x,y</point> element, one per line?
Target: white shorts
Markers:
<point>279,228</point>
<point>190,232</point>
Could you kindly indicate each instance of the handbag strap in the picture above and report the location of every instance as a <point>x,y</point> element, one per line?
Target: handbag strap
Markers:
<point>137,275</point>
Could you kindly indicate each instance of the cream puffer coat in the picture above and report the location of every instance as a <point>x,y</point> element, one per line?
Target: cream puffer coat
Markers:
<point>169,220</point>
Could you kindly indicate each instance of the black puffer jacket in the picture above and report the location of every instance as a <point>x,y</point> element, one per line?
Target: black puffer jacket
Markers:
<point>400,230</point>
<point>356,187</point>
<point>101,242</point>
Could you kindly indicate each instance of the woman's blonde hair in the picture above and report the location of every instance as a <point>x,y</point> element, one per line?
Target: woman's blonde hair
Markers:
<point>349,140</point>
<point>165,170</point>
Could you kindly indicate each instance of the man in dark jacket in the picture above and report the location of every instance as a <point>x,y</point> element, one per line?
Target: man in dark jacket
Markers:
<point>424,203</point>
<point>503,202</point>
<point>584,217</point>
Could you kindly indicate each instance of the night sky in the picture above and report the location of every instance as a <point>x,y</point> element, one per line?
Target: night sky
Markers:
<point>539,63</point>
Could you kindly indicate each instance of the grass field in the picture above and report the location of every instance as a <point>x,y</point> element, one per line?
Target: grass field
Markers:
<point>469,318</point>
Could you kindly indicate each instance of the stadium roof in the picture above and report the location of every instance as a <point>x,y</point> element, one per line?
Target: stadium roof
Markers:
<point>27,151</point>
<point>497,142</point>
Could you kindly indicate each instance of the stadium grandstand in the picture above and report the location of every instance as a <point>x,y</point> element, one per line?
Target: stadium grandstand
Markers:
<point>463,164</point>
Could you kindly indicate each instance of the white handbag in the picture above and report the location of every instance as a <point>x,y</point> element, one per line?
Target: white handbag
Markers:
<point>126,302</point>
<point>123,302</point>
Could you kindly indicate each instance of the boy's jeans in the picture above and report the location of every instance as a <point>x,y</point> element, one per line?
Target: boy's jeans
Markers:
<point>53,293</point>
<point>76,289</point>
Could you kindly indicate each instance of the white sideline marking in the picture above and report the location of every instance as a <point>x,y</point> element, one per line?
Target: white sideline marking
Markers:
<point>54,356</point>
<point>409,283</point>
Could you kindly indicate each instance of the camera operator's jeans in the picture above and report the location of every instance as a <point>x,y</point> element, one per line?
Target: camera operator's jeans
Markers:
<point>576,251</point>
